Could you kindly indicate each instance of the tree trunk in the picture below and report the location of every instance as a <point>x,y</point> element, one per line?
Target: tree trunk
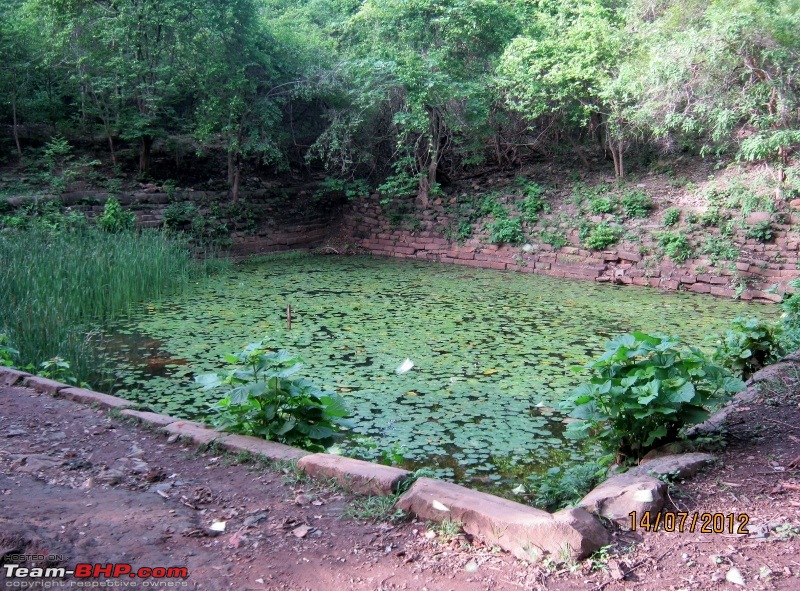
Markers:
<point>237,177</point>
<point>144,153</point>
<point>15,124</point>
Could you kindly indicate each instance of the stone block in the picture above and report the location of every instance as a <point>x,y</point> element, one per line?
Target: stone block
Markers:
<point>358,476</point>
<point>9,377</point>
<point>526,532</point>
<point>675,465</point>
<point>623,494</point>
<point>89,397</point>
<point>43,384</point>
<point>149,418</point>
<point>268,449</point>
<point>196,432</point>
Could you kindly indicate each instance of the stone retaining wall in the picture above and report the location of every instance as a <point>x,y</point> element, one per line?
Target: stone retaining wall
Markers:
<point>366,226</point>
<point>281,218</point>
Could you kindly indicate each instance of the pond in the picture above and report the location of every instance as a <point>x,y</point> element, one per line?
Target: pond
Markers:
<point>492,350</point>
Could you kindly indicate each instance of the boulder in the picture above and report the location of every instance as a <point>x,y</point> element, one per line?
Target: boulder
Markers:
<point>526,532</point>
<point>623,494</point>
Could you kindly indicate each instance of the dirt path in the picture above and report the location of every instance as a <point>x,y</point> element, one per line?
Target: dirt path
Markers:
<point>92,488</point>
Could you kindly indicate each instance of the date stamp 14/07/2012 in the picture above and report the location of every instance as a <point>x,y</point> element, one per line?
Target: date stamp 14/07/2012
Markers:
<point>704,523</point>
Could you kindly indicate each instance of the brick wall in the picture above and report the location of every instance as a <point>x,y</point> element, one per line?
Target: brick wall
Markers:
<point>365,225</point>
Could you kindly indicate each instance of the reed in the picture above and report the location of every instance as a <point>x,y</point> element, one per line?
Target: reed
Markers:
<point>58,288</point>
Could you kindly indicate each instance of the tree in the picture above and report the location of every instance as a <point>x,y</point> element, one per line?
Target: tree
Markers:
<point>563,68</point>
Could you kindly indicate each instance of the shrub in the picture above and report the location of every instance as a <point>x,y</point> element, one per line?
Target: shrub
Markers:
<point>8,354</point>
<point>718,248</point>
<point>530,207</point>
<point>671,216</point>
<point>762,231</point>
<point>506,231</point>
<point>601,205</point>
<point>562,487</point>
<point>675,245</point>
<point>748,345</point>
<point>555,239</point>
<point>601,236</point>
<point>644,392</point>
<point>265,401</point>
<point>114,219</point>
<point>637,204</point>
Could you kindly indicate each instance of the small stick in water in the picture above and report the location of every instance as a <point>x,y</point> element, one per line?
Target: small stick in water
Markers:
<point>288,316</point>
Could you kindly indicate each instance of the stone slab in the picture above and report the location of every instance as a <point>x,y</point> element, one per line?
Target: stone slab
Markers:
<point>526,532</point>
<point>43,384</point>
<point>269,449</point>
<point>358,476</point>
<point>150,418</point>
<point>620,495</point>
<point>9,377</point>
<point>98,398</point>
<point>196,432</point>
<point>676,465</point>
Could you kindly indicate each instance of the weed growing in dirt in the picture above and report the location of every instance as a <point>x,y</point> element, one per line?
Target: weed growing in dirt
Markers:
<point>373,509</point>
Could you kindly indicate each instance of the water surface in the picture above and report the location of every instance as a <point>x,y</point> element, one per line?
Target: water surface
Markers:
<point>492,350</point>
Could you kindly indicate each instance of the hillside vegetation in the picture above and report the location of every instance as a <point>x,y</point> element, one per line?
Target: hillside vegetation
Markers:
<point>399,95</point>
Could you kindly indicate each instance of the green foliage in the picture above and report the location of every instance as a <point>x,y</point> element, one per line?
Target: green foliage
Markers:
<point>637,204</point>
<point>59,278</point>
<point>8,354</point>
<point>60,370</point>
<point>560,487</point>
<point>601,205</point>
<point>531,207</point>
<point>506,231</point>
<point>762,231</point>
<point>266,401</point>
<point>671,216</point>
<point>203,228</point>
<point>748,345</point>
<point>114,219</point>
<point>373,509</point>
<point>644,390</point>
<point>718,248</point>
<point>601,236</point>
<point>675,245</point>
<point>352,189</point>
<point>555,239</point>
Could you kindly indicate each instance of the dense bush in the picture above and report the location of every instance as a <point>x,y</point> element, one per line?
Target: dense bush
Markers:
<point>266,401</point>
<point>114,219</point>
<point>644,391</point>
<point>748,345</point>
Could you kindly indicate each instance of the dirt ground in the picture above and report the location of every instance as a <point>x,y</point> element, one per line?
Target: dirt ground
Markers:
<point>91,488</point>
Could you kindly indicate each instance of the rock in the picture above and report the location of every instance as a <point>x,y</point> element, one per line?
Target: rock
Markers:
<point>623,494</point>
<point>358,476</point>
<point>758,217</point>
<point>776,372</point>
<point>677,466</point>
<point>794,204</point>
<point>526,532</point>
<point>33,463</point>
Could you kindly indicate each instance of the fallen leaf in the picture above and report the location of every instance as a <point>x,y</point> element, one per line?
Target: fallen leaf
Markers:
<point>439,506</point>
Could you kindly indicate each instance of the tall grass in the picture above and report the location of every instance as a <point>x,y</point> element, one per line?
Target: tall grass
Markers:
<point>57,287</point>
